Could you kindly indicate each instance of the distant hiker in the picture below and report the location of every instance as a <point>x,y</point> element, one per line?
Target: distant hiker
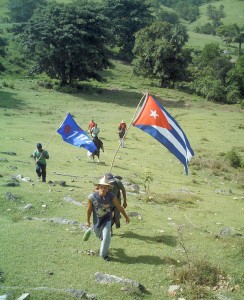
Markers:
<point>91,125</point>
<point>116,188</point>
<point>40,155</point>
<point>99,204</point>
<point>94,131</point>
<point>122,129</point>
<point>99,145</point>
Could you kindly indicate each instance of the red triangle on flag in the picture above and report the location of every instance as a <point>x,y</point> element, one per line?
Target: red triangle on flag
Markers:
<point>152,115</point>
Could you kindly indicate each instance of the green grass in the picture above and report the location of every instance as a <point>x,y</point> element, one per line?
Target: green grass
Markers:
<point>178,234</point>
<point>44,254</point>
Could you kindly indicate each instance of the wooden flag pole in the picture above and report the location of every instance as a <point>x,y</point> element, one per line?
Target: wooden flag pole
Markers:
<point>51,138</point>
<point>145,94</point>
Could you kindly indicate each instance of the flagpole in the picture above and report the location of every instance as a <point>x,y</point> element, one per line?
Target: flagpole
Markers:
<point>111,166</point>
<point>51,138</point>
<point>54,133</point>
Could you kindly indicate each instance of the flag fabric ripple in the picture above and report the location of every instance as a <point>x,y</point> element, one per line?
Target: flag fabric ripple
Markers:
<point>74,135</point>
<point>156,121</point>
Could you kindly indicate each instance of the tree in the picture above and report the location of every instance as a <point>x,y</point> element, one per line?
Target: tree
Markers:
<point>213,75</point>
<point>67,42</point>
<point>167,16</point>
<point>22,10</point>
<point>126,18</point>
<point>232,34</point>
<point>159,54</point>
<point>215,15</point>
<point>3,44</point>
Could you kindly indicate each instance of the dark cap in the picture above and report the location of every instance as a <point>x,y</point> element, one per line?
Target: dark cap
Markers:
<point>110,177</point>
<point>39,145</point>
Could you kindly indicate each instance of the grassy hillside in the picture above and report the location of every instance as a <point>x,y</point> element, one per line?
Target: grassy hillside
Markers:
<point>234,13</point>
<point>184,230</point>
<point>181,221</point>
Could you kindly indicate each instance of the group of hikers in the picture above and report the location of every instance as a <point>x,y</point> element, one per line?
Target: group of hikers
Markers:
<point>104,203</point>
<point>94,131</point>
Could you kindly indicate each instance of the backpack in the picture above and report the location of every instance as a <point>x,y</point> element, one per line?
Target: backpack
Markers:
<point>118,178</point>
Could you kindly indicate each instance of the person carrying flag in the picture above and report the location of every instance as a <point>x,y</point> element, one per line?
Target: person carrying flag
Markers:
<point>99,204</point>
<point>40,155</point>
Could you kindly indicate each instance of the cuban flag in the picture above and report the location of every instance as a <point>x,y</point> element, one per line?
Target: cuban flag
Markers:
<point>156,121</point>
<point>74,135</point>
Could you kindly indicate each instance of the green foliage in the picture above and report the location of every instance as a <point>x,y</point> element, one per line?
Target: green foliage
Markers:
<point>187,11</point>
<point>234,158</point>
<point>159,54</point>
<point>72,46</point>
<point>232,33</point>
<point>214,76</point>
<point>147,179</point>
<point>167,16</point>
<point>22,10</point>
<point>126,18</point>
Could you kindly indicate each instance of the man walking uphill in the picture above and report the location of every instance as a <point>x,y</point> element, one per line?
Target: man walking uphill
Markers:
<point>116,188</point>
<point>99,204</point>
<point>40,155</point>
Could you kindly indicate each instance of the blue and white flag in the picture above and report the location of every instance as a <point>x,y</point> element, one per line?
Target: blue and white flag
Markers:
<point>156,121</point>
<point>74,135</point>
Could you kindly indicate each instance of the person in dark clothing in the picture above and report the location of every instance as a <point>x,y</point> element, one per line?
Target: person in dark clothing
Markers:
<point>40,155</point>
<point>99,145</point>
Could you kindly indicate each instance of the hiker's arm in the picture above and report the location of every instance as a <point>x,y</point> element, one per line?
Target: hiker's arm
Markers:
<point>124,196</point>
<point>45,154</point>
<point>121,209</point>
<point>88,213</point>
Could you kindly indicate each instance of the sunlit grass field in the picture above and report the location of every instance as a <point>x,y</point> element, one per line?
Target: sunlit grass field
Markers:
<point>181,216</point>
<point>181,219</point>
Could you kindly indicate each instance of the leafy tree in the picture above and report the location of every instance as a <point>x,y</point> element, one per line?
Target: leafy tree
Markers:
<point>167,16</point>
<point>232,34</point>
<point>22,10</point>
<point>67,42</point>
<point>3,44</point>
<point>126,18</point>
<point>187,11</point>
<point>159,54</point>
<point>213,75</point>
<point>215,15</point>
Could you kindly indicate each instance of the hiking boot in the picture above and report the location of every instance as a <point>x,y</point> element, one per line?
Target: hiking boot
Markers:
<point>106,258</point>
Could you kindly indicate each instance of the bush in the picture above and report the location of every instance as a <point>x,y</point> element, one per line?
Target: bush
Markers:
<point>235,158</point>
<point>233,96</point>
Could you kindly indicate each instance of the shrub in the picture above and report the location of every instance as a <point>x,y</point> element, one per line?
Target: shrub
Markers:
<point>233,96</point>
<point>234,158</point>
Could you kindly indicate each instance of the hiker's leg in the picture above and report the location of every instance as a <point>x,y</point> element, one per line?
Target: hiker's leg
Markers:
<point>44,173</point>
<point>106,239</point>
<point>117,217</point>
<point>38,170</point>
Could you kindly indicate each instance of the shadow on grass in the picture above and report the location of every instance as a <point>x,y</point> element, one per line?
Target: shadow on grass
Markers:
<point>119,255</point>
<point>165,239</point>
<point>123,98</point>
<point>8,100</point>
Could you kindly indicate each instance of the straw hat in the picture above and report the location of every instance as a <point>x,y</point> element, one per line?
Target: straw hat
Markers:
<point>103,181</point>
<point>122,121</point>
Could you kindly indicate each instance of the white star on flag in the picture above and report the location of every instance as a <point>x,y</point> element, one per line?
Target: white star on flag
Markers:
<point>154,114</point>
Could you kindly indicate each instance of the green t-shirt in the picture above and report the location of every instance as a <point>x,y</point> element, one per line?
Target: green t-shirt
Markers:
<point>44,154</point>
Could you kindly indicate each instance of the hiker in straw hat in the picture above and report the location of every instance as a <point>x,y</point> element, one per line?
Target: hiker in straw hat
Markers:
<point>99,203</point>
